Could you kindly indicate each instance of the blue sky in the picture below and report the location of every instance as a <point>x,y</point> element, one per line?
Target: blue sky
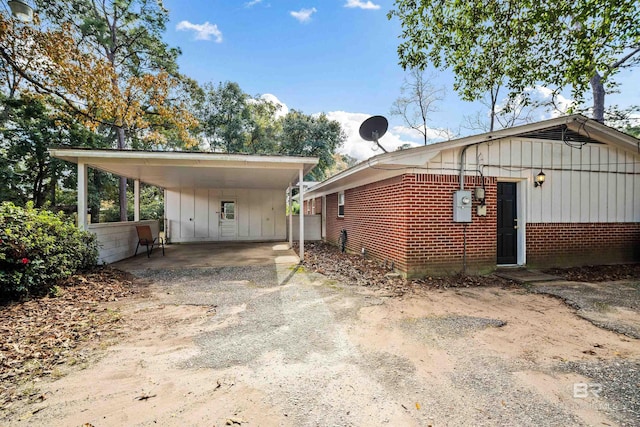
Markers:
<point>333,56</point>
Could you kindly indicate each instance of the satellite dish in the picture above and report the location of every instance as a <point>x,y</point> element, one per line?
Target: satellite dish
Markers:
<point>373,129</point>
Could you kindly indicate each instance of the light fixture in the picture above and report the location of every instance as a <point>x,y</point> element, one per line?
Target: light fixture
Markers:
<point>539,179</point>
<point>21,10</point>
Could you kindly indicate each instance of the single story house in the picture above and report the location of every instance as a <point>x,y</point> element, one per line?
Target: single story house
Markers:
<point>560,192</point>
<point>208,197</point>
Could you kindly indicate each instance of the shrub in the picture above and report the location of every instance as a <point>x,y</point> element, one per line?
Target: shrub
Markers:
<point>38,249</point>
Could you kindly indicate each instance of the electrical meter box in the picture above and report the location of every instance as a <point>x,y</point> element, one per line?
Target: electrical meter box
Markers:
<point>462,206</point>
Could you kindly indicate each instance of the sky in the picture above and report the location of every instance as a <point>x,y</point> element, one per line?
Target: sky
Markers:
<point>337,57</point>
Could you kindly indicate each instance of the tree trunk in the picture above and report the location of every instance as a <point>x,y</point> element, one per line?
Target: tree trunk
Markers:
<point>598,97</point>
<point>122,190</point>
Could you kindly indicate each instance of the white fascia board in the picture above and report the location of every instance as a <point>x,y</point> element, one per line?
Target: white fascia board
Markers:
<point>175,158</point>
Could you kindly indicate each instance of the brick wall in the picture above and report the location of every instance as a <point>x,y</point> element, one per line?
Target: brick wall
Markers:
<point>436,243</point>
<point>575,244</point>
<point>308,206</point>
<point>374,219</point>
<point>409,220</point>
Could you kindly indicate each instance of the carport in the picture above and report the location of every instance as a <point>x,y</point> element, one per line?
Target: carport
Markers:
<point>255,189</point>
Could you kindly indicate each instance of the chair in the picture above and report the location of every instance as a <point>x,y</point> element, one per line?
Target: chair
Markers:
<point>145,238</point>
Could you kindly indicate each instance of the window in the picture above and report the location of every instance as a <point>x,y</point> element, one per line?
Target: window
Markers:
<point>228,210</point>
<point>341,203</point>
<point>313,207</point>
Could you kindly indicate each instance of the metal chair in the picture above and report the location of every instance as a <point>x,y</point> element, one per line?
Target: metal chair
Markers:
<point>145,238</point>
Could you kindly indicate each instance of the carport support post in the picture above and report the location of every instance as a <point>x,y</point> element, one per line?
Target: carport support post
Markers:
<point>301,215</point>
<point>290,202</point>
<point>83,196</point>
<point>136,200</point>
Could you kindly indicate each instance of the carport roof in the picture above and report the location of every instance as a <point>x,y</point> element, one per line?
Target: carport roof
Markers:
<point>174,169</point>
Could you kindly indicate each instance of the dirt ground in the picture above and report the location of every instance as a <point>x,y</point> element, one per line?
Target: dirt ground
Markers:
<point>286,346</point>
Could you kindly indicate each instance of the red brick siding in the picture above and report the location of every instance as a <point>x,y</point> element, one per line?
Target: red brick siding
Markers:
<point>374,220</point>
<point>436,243</point>
<point>575,244</point>
<point>409,220</point>
<point>308,206</point>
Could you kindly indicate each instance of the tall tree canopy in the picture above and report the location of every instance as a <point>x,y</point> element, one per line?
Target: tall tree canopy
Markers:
<point>315,136</point>
<point>577,44</point>
<point>106,61</point>
<point>232,121</point>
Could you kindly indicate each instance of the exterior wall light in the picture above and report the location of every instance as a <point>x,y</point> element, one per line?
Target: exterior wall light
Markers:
<point>539,179</point>
<point>21,10</point>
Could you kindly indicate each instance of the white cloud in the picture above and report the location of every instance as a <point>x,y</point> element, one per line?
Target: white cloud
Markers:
<point>357,147</point>
<point>283,110</point>
<point>203,31</point>
<point>252,3</point>
<point>303,15</point>
<point>561,103</point>
<point>362,5</point>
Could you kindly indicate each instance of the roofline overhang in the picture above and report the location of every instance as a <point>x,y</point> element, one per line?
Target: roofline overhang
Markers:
<point>417,156</point>
<point>182,158</point>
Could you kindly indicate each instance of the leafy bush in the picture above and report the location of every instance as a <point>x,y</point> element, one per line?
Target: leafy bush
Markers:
<point>38,249</point>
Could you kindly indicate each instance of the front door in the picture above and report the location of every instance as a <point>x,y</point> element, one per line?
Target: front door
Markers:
<point>507,224</point>
<point>228,227</point>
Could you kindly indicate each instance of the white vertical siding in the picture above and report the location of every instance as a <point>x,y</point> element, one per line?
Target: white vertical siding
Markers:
<point>260,214</point>
<point>595,183</point>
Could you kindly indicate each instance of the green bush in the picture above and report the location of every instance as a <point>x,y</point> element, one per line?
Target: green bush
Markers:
<point>38,249</point>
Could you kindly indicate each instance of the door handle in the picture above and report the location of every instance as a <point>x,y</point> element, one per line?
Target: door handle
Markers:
<point>190,219</point>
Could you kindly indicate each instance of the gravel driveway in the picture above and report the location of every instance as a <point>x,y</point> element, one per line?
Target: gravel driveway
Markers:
<point>265,345</point>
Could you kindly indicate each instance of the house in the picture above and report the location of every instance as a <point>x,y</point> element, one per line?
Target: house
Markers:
<point>560,192</point>
<point>209,197</point>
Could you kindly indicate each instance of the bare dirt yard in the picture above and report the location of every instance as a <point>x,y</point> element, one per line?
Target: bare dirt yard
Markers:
<point>286,346</point>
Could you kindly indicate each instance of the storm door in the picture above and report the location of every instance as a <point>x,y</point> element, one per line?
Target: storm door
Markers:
<point>228,216</point>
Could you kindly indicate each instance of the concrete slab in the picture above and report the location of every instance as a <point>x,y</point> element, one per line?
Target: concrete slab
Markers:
<point>206,255</point>
<point>522,275</point>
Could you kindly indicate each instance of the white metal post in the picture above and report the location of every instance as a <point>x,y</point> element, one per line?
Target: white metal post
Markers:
<point>290,202</point>
<point>136,200</point>
<point>301,199</point>
<point>83,197</point>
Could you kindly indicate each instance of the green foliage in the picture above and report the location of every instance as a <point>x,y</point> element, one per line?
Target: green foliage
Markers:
<point>224,116</point>
<point>151,205</point>
<point>30,127</point>
<point>561,43</point>
<point>232,121</point>
<point>311,136</point>
<point>38,249</point>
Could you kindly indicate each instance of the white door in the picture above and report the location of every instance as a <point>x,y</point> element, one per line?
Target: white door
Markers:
<point>228,220</point>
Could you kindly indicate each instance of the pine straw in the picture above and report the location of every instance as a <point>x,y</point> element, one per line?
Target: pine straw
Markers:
<point>357,270</point>
<point>41,337</point>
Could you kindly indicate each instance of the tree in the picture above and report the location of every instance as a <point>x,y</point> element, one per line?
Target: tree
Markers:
<point>33,126</point>
<point>503,113</point>
<point>106,61</point>
<point>311,136</point>
<point>224,116</point>
<point>561,43</point>
<point>263,129</point>
<point>417,100</point>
